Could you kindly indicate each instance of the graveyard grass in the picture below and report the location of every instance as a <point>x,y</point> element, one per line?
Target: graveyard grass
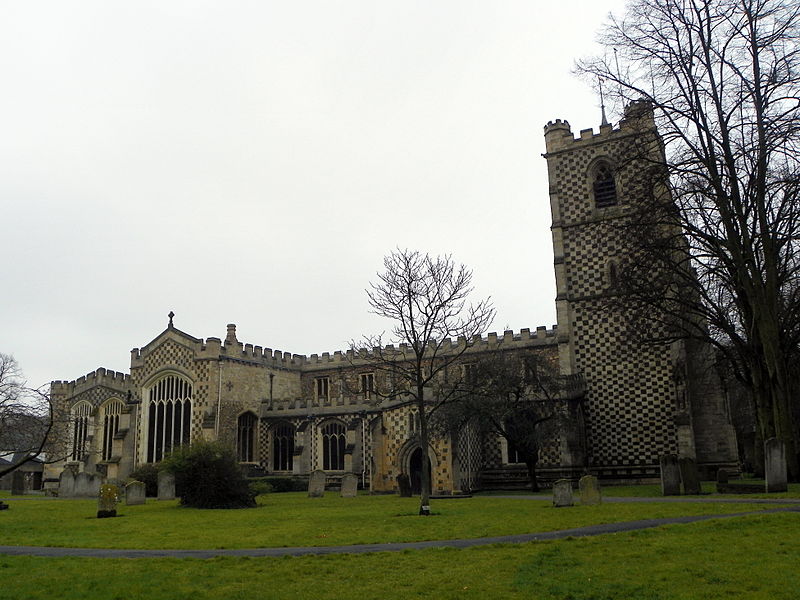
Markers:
<point>292,519</point>
<point>743,557</point>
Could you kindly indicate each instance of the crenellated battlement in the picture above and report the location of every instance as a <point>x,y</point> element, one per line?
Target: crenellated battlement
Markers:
<point>106,377</point>
<point>638,117</point>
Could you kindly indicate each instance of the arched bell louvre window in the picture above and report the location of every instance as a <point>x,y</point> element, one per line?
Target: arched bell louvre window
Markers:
<point>282,447</point>
<point>111,412</point>
<point>245,439</point>
<point>169,414</point>
<point>604,186</point>
<point>80,430</point>
<point>333,442</point>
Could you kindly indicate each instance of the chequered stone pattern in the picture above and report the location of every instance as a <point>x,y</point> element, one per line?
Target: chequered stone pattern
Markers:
<point>470,457</point>
<point>629,402</point>
<point>96,396</point>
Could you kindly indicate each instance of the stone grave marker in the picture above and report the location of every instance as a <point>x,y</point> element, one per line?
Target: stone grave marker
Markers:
<point>349,485</point>
<point>316,484</point>
<point>3,505</point>
<point>590,490</point>
<point>17,483</point>
<point>82,485</point>
<point>670,475</point>
<point>775,466</point>
<point>166,486</point>
<point>135,493</point>
<point>95,480</point>
<point>404,483</point>
<point>562,493</point>
<point>723,476</point>
<point>107,500</point>
<point>689,476</point>
<point>66,484</point>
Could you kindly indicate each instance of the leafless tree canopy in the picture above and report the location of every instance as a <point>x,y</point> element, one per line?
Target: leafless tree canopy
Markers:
<point>717,249</point>
<point>25,416</point>
<point>433,324</point>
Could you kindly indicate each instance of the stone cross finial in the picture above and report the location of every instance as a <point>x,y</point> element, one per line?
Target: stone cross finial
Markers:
<point>170,315</point>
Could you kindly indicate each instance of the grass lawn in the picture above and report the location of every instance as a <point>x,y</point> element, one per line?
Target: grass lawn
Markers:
<point>293,519</point>
<point>746,557</point>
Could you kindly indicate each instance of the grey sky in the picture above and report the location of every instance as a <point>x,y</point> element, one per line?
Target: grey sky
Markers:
<point>252,162</point>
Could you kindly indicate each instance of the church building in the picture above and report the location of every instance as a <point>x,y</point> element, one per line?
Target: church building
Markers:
<point>289,414</point>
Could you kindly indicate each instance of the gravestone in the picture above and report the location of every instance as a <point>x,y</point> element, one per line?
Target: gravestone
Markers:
<point>316,484</point>
<point>17,483</point>
<point>95,481</point>
<point>670,475</point>
<point>107,501</point>
<point>775,466</point>
<point>404,483</point>
<point>66,484</point>
<point>349,485</point>
<point>722,476</point>
<point>3,505</point>
<point>562,493</point>
<point>590,490</point>
<point>689,476</point>
<point>166,486</point>
<point>84,485</point>
<point>135,493</point>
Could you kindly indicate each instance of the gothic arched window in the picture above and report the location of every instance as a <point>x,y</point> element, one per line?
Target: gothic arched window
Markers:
<point>111,412</point>
<point>246,435</point>
<point>604,186</point>
<point>333,442</point>
<point>282,447</point>
<point>79,423</point>
<point>169,416</point>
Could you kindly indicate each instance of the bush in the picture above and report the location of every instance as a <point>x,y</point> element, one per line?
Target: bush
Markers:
<point>148,475</point>
<point>283,484</point>
<point>259,486</point>
<point>208,476</point>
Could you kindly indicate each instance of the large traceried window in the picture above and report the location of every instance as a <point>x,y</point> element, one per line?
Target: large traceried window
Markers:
<point>80,430</point>
<point>245,440</point>
<point>282,447</point>
<point>169,416</point>
<point>333,443</point>
<point>111,412</point>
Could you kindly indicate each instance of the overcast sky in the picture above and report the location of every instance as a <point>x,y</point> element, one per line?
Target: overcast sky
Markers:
<point>252,163</point>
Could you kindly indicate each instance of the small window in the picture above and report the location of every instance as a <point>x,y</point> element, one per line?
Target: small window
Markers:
<point>322,384</point>
<point>471,374</point>
<point>612,273</point>
<point>245,441</point>
<point>111,413</point>
<point>605,189</point>
<point>368,385</point>
<point>413,422</point>
<point>283,447</point>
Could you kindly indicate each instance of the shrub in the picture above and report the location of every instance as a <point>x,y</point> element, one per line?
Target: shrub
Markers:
<point>283,484</point>
<point>148,475</point>
<point>208,476</point>
<point>259,486</point>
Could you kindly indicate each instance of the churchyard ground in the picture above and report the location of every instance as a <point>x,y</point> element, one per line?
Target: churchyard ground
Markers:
<point>744,557</point>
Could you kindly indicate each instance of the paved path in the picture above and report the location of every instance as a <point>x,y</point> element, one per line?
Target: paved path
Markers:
<point>705,498</point>
<point>363,548</point>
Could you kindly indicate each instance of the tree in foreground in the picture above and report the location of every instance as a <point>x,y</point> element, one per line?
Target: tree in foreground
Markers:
<point>427,300</point>
<point>207,475</point>
<point>519,397</point>
<point>26,416</point>
<point>716,256</point>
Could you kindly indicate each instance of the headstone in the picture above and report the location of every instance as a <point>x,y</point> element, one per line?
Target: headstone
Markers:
<point>670,475</point>
<point>94,485</point>
<point>166,486</point>
<point>107,501</point>
<point>775,466</point>
<point>17,483</point>
<point>349,485</point>
<point>135,493</point>
<point>404,483</point>
<point>590,490</point>
<point>66,484</point>
<point>562,493</point>
<point>316,484</point>
<point>722,476</point>
<point>689,476</point>
<point>3,506</point>
<point>83,485</point>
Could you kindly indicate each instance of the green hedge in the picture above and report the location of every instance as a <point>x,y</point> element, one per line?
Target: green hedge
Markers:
<point>281,484</point>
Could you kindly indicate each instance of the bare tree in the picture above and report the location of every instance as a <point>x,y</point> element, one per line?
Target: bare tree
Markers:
<point>26,416</point>
<point>520,397</point>
<point>426,298</point>
<point>716,255</point>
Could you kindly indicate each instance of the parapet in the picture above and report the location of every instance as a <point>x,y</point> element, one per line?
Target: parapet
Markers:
<point>115,380</point>
<point>637,118</point>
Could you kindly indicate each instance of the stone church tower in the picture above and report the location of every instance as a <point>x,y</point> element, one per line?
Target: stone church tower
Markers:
<point>642,401</point>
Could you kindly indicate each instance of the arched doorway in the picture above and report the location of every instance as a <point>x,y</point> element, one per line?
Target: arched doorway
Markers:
<point>415,471</point>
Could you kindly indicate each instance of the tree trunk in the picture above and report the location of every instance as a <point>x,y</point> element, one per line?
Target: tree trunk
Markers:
<point>425,492</point>
<point>531,464</point>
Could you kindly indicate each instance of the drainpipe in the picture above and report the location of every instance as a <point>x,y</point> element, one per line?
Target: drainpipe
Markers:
<point>219,403</point>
